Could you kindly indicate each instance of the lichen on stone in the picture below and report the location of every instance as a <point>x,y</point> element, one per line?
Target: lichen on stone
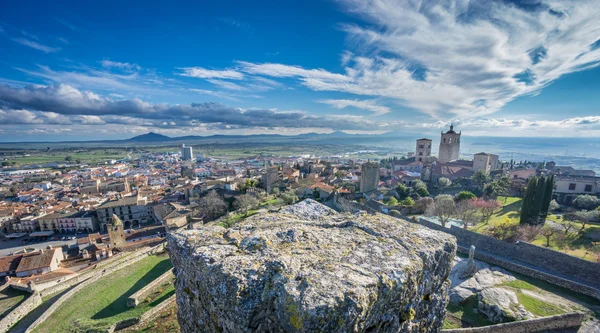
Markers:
<point>310,269</point>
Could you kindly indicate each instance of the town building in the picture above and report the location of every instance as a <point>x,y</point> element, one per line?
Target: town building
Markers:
<point>186,153</point>
<point>41,262</point>
<point>567,187</point>
<point>116,232</point>
<point>423,150</point>
<point>485,162</point>
<point>369,177</point>
<point>132,210</point>
<point>270,178</point>
<point>449,146</point>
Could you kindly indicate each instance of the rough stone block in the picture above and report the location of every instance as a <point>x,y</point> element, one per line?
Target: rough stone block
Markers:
<point>285,272</point>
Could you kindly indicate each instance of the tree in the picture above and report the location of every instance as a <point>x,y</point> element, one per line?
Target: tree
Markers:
<point>402,190</point>
<point>68,158</point>
<point>244,202</point>
<point>553,205</point>
<point>408,201</point>
<point>212,205</point>
<point>419,184</point>
<point>289,197</point>
<point>586,201</point>
<point>466,211</point>
<point>465,195</point>
<point>535,204</point>
<point>547,232</point>
<point>443,208</point>
<point>583,217</point>
<point>5,163</point>
<point>392,202</point>
<point>422,192</point>
<point>421,205</point>
<point>444,182</point>
<point>486,207</point>
<point>547,198</point>
<point>481,178</point>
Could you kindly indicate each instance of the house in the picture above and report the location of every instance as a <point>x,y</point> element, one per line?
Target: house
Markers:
<point>567,187</point>
<point>41,262</point>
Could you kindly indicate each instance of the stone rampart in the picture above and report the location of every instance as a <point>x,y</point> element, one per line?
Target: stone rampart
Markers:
<point>541,263</point>
<point>134,299</point>
<point>107,270</point>
<point>32,302</point>
<point>568,322</point>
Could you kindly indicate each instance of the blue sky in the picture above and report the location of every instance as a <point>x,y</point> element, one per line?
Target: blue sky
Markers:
<point>82,69</point>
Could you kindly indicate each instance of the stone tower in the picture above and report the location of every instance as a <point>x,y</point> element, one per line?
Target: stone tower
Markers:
<point>369,177</point>
<point>449,146</point>
<point>423,150</point>
<point>116,232</point>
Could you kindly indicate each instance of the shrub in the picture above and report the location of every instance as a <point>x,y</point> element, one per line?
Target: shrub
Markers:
<point>408,201</point>
<point>464,195</point>
<point>586,202</point>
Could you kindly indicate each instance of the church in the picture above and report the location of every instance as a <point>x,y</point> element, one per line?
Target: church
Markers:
<point>447,163</point>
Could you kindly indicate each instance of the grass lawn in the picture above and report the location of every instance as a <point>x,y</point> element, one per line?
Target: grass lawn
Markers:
<point>9,299</point>
<point>102,304</point>
<point>165,323</point>
<point>574,245</point>
<point>458,314</point>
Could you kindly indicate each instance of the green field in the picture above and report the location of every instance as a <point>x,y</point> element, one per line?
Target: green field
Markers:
<point>574,244</point>
<point>102,304</point>
<point>10,299</point>
<point>86,156</point>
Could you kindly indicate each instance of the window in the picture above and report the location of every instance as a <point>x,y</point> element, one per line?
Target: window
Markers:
<point>588,188</point>
<point>572,186</point>
<point>420,153</point>
<point>421,146</point>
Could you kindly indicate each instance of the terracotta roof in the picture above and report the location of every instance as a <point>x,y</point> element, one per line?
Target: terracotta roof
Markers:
<point>36,261</point>
<point>10,263</point>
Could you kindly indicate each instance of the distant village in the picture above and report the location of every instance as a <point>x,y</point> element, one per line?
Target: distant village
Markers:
<point>80,207</point>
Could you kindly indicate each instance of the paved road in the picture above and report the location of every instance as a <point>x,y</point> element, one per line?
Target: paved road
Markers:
<point>8,246</point>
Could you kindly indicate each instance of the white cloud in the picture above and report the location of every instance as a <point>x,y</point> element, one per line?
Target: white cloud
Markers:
<point>455,58</point>
<point>120,65</point>
<point>370,105</point>
<point>203,73</point>
<point>36,45</point>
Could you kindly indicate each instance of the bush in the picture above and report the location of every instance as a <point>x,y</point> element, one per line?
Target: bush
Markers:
<point>395,213</point>
<point>422,192</point>
<point>465,195</point>
<point>586,202</point>
<point>553,205</point>
<point>407,202</point>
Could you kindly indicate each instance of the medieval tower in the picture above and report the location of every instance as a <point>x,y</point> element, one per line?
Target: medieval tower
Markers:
<point>116,232</point>
<point>423,150</point>
<point>449,146</point>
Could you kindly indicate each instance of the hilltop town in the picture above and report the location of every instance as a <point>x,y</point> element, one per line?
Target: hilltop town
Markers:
<point>68,226</point>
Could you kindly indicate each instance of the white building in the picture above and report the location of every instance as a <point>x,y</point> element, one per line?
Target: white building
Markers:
<point>186,153</point>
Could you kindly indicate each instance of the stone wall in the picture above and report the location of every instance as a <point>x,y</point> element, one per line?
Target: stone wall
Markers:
<point>21,311</point>
<point>541,263</point>
<point>568,322</point>
<point>134,299</point>
<point>133,324</point>
<point>123,263</point>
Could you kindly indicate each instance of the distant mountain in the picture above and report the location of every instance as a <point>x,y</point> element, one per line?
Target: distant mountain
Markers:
<point>150,137</point>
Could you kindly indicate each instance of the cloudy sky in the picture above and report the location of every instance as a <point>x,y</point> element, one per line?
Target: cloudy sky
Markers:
<point>107,70</point>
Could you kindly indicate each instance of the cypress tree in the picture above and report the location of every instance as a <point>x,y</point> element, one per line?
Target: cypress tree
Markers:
<point>527,202</point>
<point>540,192</point>
<point>547,197</point>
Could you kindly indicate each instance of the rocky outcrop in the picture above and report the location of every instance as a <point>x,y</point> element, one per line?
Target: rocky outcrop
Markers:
<point>309,269</point>
<point>497,303</point>
<point>500,305</point>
